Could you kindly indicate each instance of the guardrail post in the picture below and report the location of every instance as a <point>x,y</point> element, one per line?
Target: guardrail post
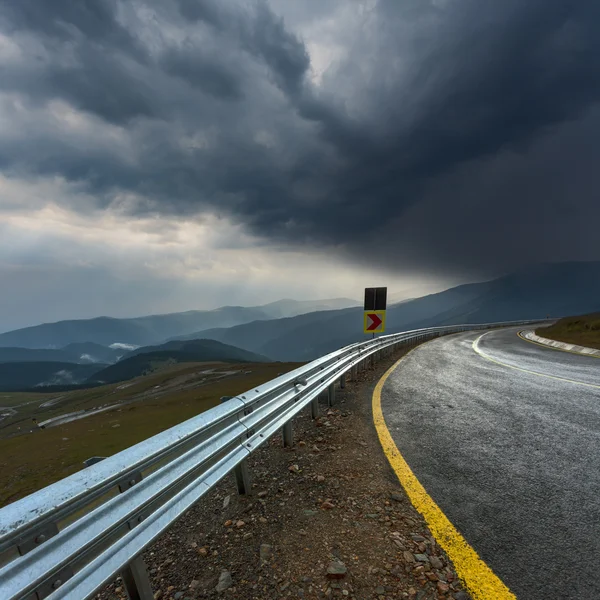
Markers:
<point>331,394</point>
<point>288,435</point>
<point>354,373</point>
<point>135,575</point>
<point>136,580</point>
<point>242,478</point>
<point>314,407</point>
<point>343,381</point>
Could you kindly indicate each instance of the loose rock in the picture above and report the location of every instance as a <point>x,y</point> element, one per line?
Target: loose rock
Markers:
<point>442,587</point>
<point>336,570</point>
<point>225,581</point>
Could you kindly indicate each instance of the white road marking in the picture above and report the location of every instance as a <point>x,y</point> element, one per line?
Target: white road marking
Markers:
<point>481,353</point>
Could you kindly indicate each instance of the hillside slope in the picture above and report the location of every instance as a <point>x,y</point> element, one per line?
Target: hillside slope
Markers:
<point>17,376</point>
<point>146,360</point>
<point>583,330</point>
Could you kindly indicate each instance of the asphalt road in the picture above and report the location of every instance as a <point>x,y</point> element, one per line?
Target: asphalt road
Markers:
<point>510,455</point>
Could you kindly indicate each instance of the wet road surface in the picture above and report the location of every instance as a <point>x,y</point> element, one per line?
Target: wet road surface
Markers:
<point>505,437</point>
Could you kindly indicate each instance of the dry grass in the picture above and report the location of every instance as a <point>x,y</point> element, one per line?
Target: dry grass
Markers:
<point>32,460</point>
<point>583,330</point>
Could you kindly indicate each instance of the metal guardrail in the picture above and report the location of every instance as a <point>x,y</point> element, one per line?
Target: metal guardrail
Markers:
<point>69,539</point>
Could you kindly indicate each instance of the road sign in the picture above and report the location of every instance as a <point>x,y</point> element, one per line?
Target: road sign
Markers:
<point>375,298</point>
<point>375,304</point>
<point>374,321</point>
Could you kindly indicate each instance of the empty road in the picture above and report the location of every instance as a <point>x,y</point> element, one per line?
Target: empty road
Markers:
<point>505,437</point>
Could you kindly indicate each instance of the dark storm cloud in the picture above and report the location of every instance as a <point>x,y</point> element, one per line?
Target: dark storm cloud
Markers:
<point>63,19</point>
<point>204,72</point>
<point>408,131</point>
<point>262,33</point>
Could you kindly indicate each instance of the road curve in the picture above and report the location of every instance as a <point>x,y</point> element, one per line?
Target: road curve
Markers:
<point>505,437</point>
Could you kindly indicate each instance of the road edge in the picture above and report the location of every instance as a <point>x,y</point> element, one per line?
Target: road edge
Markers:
<point>538,340</point>
<point>478,579</point>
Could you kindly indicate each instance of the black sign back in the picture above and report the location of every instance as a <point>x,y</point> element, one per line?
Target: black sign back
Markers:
<point>375,298</point>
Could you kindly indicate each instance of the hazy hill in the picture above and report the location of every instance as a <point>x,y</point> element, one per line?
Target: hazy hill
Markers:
<point>291,308</point>
<point>206,347</point>
<point>141,331</point>
<point>555,290</point>
<point>145,360</point>
<point>87,353</point>
<point>12,355</point>
<point>307,336</point>
<point>17,376</point>
<point>258,334</point>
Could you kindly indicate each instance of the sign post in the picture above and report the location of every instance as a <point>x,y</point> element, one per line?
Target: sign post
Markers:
<point>375,306</point>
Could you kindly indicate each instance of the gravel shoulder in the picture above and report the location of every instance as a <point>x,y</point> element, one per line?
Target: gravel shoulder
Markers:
<point>326,519</point>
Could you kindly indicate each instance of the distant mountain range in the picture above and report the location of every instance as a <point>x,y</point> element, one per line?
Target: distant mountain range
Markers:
<point>142,331</point>
<point>547,290</point>
<point>286,330</point>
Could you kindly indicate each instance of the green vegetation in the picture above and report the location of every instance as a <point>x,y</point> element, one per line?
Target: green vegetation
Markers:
<point>583,330</point>
<point>148,405</point>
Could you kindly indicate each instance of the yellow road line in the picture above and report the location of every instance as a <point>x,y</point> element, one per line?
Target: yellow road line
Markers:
<point>479,580</point>
<point>557,349</point>
<point>481,353</point>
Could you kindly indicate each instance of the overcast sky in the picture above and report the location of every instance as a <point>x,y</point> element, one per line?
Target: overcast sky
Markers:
<point>163,155</point>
